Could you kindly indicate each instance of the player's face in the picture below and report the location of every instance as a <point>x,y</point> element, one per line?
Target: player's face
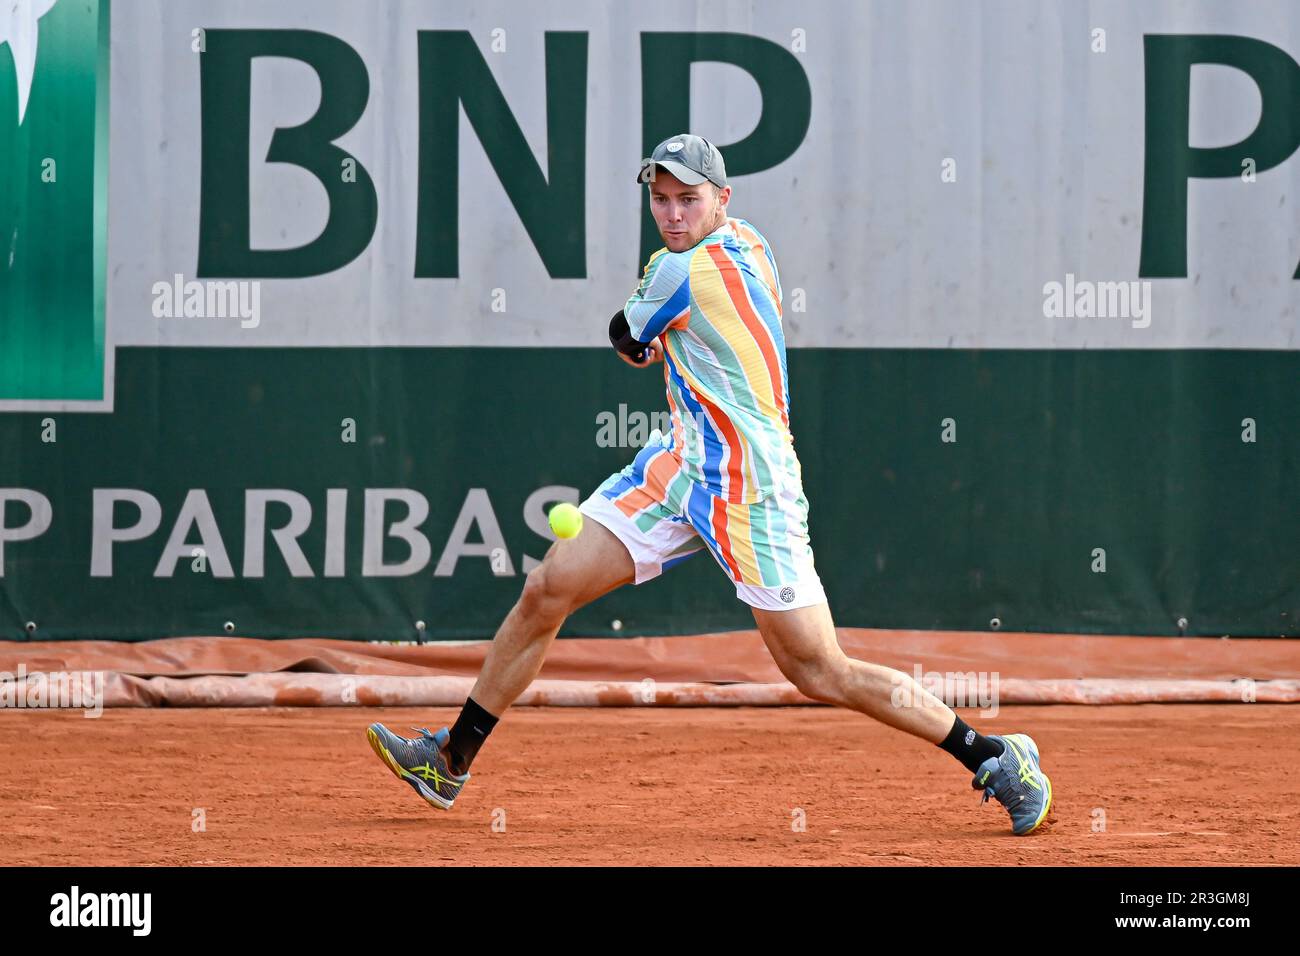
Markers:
<point>686,214</point>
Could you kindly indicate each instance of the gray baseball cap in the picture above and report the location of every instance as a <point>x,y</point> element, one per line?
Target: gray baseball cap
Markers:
<point>692,159</point>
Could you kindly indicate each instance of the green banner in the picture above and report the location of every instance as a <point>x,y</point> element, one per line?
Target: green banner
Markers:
<point>1094,492</point>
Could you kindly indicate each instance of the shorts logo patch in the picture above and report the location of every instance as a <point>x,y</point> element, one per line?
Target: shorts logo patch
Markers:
<point>787,595</point>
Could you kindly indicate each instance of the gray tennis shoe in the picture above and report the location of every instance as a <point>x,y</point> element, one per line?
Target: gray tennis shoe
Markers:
<point>420,761</point>
<point>1017,781</point>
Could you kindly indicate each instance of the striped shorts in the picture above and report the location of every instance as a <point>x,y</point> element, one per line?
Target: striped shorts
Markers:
<point>663,517</point>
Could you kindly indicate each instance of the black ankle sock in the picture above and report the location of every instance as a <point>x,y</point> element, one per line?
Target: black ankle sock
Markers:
<point>467,735</point>
<point>969,747</point>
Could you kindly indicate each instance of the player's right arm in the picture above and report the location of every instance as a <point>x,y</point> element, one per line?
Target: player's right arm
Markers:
<point>663,299</point>
<point>630,349</point>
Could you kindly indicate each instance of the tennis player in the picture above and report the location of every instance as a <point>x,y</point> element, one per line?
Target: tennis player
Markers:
<point>725,479</point>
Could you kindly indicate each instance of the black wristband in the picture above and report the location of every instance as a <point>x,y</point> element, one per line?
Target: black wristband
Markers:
<point>620,336</point>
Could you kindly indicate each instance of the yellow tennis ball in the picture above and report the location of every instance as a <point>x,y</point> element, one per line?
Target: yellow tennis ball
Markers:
<point>566,520</point>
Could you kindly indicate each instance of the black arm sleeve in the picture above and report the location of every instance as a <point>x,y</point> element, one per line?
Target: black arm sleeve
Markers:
<point>620,336</point>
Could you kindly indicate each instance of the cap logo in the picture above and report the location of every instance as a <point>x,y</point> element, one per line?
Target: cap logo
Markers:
<point>673,147</point>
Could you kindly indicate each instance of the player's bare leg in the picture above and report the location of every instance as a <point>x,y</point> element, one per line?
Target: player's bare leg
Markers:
<point>573,573</point>
<point>804,645</point>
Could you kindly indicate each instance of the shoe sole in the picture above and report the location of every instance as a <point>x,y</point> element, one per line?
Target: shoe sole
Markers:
<point>427,795</point>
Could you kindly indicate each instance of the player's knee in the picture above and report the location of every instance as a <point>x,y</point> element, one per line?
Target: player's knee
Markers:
<point>817,679</point>
<point>824,678</point>
<point>546,595</point>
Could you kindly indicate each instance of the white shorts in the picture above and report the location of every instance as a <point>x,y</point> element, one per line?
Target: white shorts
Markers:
<point>662,518</point>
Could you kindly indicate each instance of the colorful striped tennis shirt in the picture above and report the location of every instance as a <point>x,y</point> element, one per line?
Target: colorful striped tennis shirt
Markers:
<point>717,309</point>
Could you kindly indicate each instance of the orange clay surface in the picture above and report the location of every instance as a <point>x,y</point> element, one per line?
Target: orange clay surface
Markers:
<point>1177,784</point>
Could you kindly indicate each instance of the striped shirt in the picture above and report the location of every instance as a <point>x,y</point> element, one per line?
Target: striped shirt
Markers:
<point>716,308</point>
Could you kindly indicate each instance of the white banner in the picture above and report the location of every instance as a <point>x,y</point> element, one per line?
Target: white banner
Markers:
<point>972,176</point>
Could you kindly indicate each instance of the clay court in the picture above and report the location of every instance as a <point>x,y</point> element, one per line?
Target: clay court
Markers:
<point>1180,784</point>
<point>1186,785</point>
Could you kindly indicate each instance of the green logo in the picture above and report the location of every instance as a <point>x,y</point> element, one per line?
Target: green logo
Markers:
<point>53,208</point>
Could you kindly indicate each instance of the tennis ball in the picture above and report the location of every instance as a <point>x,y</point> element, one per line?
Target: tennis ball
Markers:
<point>566,520</point>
